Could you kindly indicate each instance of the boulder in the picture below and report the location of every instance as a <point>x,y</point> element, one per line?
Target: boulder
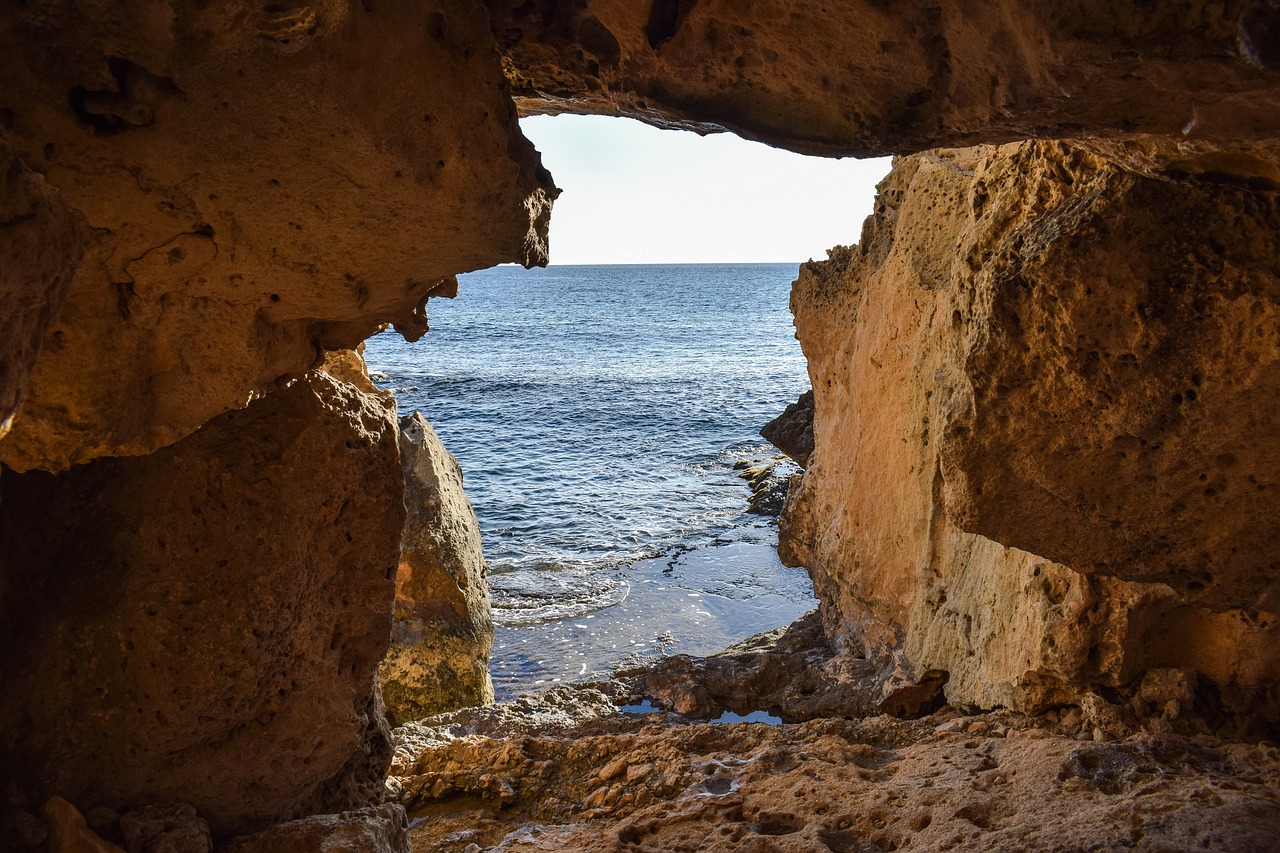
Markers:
<point>1043,458</point>
<point>792,431</point>
<point>204,624</point>
<point>442,632</point>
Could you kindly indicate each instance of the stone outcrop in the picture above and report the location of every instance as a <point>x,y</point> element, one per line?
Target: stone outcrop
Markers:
<point>792,431</point>
<point>1039,390</point>
<point>258,183</point>
<point>203,624</point>
<point>442,633</point>
<point>870,78</point>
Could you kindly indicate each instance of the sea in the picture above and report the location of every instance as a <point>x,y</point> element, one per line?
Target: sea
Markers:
<point>597,413</point>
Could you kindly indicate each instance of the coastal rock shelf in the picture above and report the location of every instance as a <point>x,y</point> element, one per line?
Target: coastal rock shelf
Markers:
<point>1043,472</point>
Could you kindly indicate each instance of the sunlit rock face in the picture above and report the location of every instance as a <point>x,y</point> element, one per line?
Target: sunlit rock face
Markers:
<point>870,78</point>
<point>203,625</point>
<point>443,630</point>
<point>1043,388</point>
<point>258,183</point>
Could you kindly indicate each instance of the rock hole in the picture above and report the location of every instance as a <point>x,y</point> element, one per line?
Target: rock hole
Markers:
<point>776,824</point>
<point>665,18</point>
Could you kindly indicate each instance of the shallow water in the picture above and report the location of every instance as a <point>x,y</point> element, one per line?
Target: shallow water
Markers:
<point>597,413</point>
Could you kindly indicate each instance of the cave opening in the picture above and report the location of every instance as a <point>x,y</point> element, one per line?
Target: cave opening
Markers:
<point>606,409</point>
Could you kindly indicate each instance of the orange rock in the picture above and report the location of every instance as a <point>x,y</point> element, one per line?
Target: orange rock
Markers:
<point>1006,485</point>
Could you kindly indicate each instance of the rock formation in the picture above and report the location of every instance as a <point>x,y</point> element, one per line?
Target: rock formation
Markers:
<point>1039,384</point>
<point>869,78</point>
<point>792,431</point>
<point>442,633</point>
<point>1044,465</point>
<point>564,770</point>
<point>202,625</point>
<point>258,183</point>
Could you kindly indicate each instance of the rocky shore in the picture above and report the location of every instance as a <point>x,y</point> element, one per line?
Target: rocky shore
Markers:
<point>568,770</point>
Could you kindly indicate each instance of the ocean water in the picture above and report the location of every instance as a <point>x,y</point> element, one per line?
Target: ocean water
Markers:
<point>597,412</point>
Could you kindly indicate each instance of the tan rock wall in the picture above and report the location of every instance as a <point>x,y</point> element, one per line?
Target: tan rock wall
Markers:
<point>204,624</point>
<point>443,631</point>
<point>901,333</point>
<point>871,78</point>
<point>260,182</point>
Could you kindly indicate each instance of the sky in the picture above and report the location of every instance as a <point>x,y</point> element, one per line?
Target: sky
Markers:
<point>636,194</point>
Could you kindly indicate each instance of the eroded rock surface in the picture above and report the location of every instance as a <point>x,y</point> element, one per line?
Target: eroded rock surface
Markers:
<point>376,829</point>
<point>792,431</point>
<point>869,78</point>
<point>442,633</point>
<point>1036,348</point>
<point>259,183</point>
<point>40,245</point>
<point>558,771</point>
<point>203,625</point>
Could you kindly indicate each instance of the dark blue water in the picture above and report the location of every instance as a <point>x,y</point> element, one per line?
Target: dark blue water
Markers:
<point>597,412</point>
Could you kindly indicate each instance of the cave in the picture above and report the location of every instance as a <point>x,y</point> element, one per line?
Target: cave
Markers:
<point>1039,512</point>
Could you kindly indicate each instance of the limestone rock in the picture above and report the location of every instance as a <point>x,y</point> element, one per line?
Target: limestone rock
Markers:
<point>40,248</point>
<point>260,183</point>
<point>443,631</point>
<point>871,78</point>
<point>204,624</point>
<point>1036,348</point>
<point>792,431</point>
<point>376,829</point>
<point>1000,781</point>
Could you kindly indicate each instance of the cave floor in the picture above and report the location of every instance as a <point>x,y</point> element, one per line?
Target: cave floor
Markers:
<point>566,770</point>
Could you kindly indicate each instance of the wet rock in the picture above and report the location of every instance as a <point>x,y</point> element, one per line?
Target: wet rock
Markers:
<point>377,829</point>
<point>660,782</point>
<point>769,479</point>
<point>792,431</point>
<point>443,631</point>
<point>206,624</point>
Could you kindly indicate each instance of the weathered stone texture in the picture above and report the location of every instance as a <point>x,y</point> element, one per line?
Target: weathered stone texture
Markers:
<point>40,246</point>
<point>442,633</point>
<point>203,625</point>
<point>792,431</point>
<point>259,183</point>
<point>376,829</point>
<point>1035,355</point>
<point>872,78</point>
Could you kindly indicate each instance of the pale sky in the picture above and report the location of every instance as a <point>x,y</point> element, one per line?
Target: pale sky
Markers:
<point>636,194</point>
